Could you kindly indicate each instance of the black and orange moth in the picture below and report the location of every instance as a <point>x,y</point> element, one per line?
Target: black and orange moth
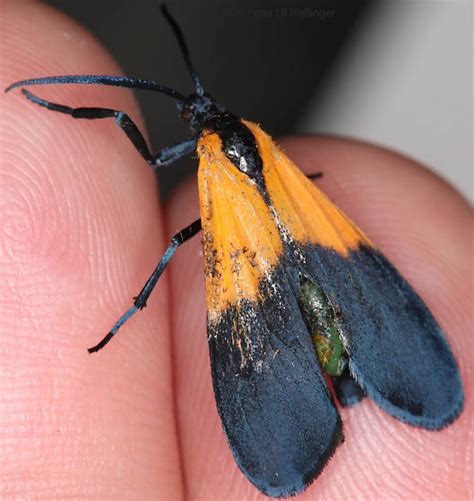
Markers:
<point>296,294</point>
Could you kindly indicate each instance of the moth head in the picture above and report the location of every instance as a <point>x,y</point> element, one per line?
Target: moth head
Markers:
<point>198,109</point>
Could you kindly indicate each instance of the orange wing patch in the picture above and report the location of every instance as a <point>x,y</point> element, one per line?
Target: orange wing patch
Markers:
<point>303,210</point>
<point>241,239</point>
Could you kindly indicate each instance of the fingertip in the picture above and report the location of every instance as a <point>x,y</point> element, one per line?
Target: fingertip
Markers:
<point>81,232</point>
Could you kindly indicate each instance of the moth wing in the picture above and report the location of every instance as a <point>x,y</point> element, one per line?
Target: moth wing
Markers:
<point>398,354</point>
<point>276,409</point>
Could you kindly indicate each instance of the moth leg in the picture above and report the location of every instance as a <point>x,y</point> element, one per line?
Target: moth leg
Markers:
<point>140,301</point>
<point>316,175</point>
<point>165,157</point>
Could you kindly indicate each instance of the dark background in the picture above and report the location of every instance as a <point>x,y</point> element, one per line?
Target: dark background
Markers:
<point>262,60</point>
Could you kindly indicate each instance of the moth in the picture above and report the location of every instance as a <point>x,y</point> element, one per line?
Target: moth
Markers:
<point>301,306</point>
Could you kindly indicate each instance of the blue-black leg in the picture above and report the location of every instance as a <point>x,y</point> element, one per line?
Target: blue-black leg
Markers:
<point>172,153</point>
<point>165,157</point>
<point>140,300</point>
<point>316,175</point>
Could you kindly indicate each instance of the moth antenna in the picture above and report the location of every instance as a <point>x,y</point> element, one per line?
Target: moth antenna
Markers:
<point>184,49</point>
<point>114,81</point>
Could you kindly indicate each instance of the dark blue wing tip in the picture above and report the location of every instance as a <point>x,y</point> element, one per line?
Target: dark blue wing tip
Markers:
<point>300,481</point>
<point>298,486</point>
<point>436,422</point>
<point>442,421</point>
<point>284,492</point>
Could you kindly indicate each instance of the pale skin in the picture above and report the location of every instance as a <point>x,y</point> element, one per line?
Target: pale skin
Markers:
<point>82,228</point>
